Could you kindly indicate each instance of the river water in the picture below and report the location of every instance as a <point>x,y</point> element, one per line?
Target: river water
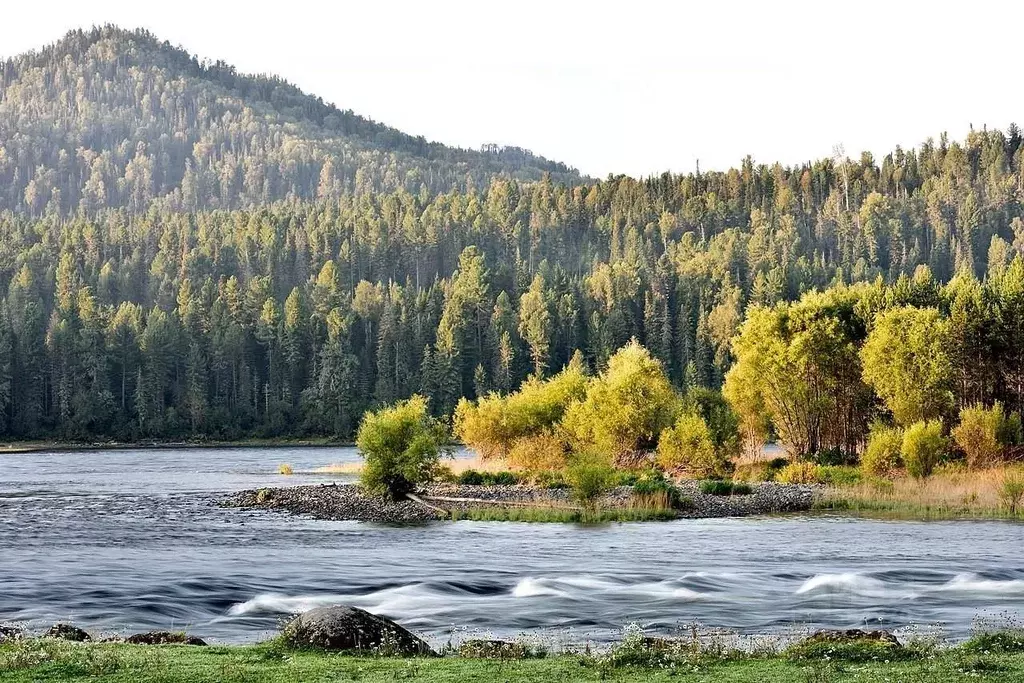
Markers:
<point>119,541</point>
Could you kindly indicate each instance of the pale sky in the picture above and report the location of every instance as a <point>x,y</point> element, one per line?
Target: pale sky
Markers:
<point>633,87</point>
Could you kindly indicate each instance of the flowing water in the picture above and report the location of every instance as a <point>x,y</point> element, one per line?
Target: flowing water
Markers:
<point>129,540</point>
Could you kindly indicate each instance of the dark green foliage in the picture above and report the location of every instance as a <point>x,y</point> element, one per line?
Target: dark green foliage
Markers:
<point>832,457</point>
<point>476,478</point>
<point>628,478</point>
<point>552,480</point>
<point>719,417</point>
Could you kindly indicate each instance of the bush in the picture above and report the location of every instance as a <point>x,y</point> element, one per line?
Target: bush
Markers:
<point>834,457</point>
<point>923,448</point>
<point>589,477</point>
<point>551,480</point>
<point>716,487</point>
<point>543,452</point>
<point>494,424</point>
<point>1011,491</point>
<point>475,478</point>
<point>1010,642</point>
<point>626,408</point>
<point>760,471</point>
<point>801,473</point>
<point>654,486</point>
<point>505,479</point>
<point>629,478</point>
<point>1011,432</point>
<point>839,475</point>
<point>722,421</point>
<point>978,434</point>
<point>687,447</point>
<point>883,456</point>
<point>401,445</point>
<point>852,650</point>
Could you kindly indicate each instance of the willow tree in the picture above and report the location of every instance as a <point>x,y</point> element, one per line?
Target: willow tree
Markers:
<point>797,367</point>
<point>495,425</point>
<point>906,363</point>
<point>626,407</point>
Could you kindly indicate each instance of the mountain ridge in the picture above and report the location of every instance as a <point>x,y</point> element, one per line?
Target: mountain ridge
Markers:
<point>107,88</point>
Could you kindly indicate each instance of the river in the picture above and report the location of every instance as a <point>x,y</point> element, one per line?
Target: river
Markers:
<point>123,540</point>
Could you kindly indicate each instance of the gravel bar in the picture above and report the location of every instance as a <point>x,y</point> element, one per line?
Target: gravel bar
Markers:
<point>347,502</point>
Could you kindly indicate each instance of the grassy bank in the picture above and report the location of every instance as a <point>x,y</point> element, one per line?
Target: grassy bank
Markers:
<point>947,494</point>
<point>562,514</point>
<point>998,659</point>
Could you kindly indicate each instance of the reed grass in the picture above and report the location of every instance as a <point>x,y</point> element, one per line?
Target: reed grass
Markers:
<point>553,514</point>
<point>950,493</point>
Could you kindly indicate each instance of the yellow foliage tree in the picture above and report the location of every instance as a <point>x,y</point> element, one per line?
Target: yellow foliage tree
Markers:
<point>687,448</point>
<point>493,424</point>
<point>626,407</point>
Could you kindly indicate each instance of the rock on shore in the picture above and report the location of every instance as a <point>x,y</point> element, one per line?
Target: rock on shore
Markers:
<point>334,502</point>
<point>349,629</point>
<point>765,498</point>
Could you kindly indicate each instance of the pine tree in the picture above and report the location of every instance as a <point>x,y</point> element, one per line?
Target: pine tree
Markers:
<point>535,324</point>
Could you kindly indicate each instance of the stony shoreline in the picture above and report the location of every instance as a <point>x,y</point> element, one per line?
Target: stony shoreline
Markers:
<point>347,502</point>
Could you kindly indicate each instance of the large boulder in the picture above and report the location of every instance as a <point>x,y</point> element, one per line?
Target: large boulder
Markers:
<point>163,638</point>
<point>853,635</point>
<point>853,645</point>
<point>350,629</point>
<point>67,632</point>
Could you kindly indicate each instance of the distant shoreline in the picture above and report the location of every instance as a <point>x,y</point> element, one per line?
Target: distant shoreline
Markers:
<point>29,447</point>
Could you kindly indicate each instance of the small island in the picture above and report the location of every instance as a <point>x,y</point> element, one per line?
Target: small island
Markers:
<point>626,445</point>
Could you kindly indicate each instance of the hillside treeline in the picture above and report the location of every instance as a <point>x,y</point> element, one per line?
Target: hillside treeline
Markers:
<point>294,317</point>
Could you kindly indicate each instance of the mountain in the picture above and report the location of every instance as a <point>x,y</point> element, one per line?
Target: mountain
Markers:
<point>116,118</point>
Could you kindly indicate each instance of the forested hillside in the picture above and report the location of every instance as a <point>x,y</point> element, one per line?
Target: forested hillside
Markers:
<point>292,318</point>
<point>112,118</point>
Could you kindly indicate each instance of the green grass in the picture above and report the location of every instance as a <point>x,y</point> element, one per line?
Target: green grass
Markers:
<point>49,660</point>
<point>563,515</point>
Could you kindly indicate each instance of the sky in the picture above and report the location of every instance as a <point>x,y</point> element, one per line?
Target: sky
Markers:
<point>633,87</point>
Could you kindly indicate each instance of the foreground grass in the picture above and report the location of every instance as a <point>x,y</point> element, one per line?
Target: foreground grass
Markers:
<point>51,660</point>
<point>947,494</point>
